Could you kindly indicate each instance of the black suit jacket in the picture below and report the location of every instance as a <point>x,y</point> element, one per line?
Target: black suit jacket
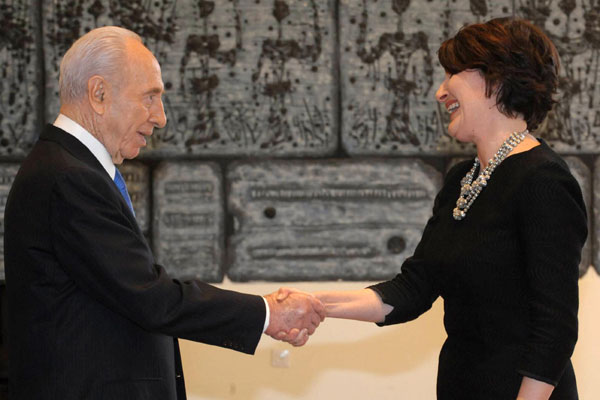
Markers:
<point>91,316</point>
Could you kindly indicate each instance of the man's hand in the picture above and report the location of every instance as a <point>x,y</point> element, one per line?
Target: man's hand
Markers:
<point>294,315</point>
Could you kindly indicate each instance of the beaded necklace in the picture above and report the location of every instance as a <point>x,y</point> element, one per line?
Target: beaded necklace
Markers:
<point>469,189</point>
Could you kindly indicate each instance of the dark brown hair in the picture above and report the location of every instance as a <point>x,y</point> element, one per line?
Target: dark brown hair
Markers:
<point>517,60</point>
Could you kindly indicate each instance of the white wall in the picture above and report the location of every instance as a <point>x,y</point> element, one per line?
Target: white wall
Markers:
<point>354,360</point>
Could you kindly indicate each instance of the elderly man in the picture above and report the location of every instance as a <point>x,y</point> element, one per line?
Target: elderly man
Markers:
<point>91,316</point>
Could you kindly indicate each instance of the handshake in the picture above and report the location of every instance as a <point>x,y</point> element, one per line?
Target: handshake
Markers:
<point>294,315</point>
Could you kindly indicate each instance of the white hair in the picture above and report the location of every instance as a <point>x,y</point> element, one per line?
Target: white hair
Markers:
<point>101,51</point>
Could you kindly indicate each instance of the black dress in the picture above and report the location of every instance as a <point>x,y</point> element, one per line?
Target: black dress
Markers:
<point>508,274</point>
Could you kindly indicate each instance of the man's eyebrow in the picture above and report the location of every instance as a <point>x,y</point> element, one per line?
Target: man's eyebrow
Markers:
<point>155,90</point>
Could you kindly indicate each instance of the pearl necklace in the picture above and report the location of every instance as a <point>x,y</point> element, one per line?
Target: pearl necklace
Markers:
<point>469,190</point>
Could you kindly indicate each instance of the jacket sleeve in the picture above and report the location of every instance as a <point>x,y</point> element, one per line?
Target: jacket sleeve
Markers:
<point>103,251</point>
<point>411,292</point>
<point>553,229</point>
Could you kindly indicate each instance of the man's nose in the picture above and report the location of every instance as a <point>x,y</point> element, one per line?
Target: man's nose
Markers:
<point>158,117</point>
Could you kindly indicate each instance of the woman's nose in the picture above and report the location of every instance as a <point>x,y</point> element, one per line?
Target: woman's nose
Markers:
<point>441,94</point>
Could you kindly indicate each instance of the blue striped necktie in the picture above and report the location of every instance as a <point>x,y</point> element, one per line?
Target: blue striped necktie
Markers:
<point>120,182</point>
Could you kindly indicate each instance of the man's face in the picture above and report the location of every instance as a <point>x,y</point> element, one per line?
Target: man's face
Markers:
<point>134,104</point>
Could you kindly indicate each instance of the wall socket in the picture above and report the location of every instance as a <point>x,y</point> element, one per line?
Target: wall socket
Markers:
<point>280,358</point>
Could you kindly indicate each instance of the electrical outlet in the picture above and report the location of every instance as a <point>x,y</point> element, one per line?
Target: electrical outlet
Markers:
<point>280,358</point>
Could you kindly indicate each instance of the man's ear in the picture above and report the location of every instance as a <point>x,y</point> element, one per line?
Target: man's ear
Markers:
<point>97,90</point>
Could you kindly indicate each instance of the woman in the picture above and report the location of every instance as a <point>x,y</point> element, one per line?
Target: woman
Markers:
<point>503,245</point>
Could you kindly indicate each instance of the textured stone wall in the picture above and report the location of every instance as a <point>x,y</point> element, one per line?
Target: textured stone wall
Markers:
<point>303,138</point>
<point>326,219</point>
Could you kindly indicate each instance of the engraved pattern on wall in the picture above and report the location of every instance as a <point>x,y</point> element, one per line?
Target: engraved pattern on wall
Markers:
<point>389,71</point>
<point>18,80</point>
<point>259,77</point>
<point>574,27</point>
<point>240,77</point>
<point>327,219</point>
<point>188,223</point>
<point>253,76</point>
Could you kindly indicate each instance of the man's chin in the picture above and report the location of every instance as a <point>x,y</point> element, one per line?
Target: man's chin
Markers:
<point>121,157</point>
<point>133,154</point>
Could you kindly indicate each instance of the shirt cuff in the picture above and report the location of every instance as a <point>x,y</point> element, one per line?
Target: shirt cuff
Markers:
<point>267,315</point>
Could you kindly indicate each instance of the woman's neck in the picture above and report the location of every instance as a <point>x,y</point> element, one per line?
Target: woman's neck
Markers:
<point>490,141</point>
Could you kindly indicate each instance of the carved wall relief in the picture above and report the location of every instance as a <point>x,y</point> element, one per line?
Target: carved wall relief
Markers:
<point>188,226</point>
<point>327,219</point>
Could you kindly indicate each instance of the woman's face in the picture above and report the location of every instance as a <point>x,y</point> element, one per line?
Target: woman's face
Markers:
<point>463,95</point>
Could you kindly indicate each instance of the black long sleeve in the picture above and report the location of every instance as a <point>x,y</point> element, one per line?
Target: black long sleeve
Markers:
<point>508,274</point>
